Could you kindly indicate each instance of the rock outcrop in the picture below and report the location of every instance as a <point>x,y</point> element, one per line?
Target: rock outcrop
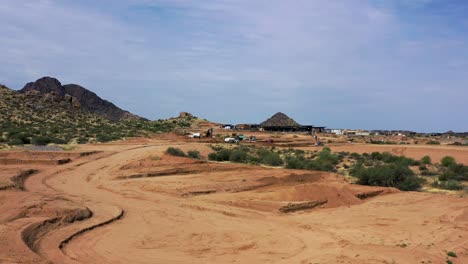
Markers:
<point>80,97</point>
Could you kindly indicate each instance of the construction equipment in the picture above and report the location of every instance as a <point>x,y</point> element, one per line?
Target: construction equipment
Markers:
<point>208,133</point>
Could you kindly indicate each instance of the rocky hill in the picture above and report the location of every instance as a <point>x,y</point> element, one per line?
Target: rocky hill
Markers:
<point>278,120</point>
<point>79,96</point>
<point>45,112</point>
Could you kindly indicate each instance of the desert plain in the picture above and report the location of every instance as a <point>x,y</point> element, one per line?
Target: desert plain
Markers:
<point>130,202</point>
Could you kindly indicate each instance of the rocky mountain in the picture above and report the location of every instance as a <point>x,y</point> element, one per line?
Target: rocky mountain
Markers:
<point>78,96</point>
<point>46,112</point>
<point>279,119</point>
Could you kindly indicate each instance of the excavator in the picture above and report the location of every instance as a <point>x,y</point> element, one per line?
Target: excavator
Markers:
<point>208,133</point>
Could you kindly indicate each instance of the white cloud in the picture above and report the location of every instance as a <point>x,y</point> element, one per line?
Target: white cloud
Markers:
<point>267,53</point>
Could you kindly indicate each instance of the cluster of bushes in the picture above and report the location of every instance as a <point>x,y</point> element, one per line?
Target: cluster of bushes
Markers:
<point>380,142</point>
<point>451,170</point>
<point>82,128</point>
<point>374,169</point>
<point>325,160</point>
<point>242,154</point>
<point>426,160</point>
<point>387,157</point>
<point>194,154</point>
<point>448,185</point>
<point>397,175</point>
<point>433,142</point>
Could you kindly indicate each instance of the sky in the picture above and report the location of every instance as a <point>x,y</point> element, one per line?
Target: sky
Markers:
<point>382,64</point>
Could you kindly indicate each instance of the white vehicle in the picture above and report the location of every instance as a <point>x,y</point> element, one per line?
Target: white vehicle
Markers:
<point>230,140</point>
<point>195,135</point>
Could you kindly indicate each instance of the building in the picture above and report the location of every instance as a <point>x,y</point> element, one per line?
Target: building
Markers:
<point>335,131</point>
<point>251,127</point>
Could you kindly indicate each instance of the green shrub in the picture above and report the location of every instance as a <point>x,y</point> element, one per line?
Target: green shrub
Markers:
<point>396,175</point>
<point>426,160</point>
<point>389,158</point>
<point>326,156</point>
<point>452,254</point>
<point>104,138</point>
<point>15,141</point>
<point>447,161</point>
<point>272,159</point>
<point>40,141</point>
<point>59,141</point>
<point>377,155</point>
<point>428,173</point>
<point>194,154</point>
<point>433,142</point>
<point>448,185</point>
<point>298,163</point>
<point>320,164</point>
<point>222,155</point>
<point>455,172</point>
<point>238,155</point>
<point>82,140</point>
<point>175,152</point>
<point>19,138</point>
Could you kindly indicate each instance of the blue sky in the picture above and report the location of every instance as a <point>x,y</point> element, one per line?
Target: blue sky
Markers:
<point>383,64</point>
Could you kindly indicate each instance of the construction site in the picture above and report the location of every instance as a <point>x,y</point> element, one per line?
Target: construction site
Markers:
<point>134,201</point>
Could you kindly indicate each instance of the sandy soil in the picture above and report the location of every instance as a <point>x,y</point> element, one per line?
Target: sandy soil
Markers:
<point>131,203</point>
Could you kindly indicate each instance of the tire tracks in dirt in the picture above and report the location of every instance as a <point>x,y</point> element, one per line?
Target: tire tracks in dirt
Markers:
<point>40,237</point>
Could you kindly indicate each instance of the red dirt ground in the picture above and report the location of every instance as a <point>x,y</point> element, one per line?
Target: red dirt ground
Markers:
<point>131,203</point>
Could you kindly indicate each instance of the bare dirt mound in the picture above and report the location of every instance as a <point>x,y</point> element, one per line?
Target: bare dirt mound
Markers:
<point>17,181</point>
<point>33,233</point>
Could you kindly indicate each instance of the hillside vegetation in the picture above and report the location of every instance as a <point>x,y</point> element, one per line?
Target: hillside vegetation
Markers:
<point>34,118</point>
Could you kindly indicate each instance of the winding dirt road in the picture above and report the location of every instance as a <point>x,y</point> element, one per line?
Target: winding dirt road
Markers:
<point>123,205</point>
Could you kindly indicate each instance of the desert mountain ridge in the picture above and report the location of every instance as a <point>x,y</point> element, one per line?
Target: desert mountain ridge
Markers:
<point>80,97</point>
<point>46,112</point>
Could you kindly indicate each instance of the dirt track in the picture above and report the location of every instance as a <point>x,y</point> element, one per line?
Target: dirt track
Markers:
<point>175,210</point>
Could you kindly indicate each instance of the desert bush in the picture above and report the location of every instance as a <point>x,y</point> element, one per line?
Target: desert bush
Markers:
<point>238,155</point>
<point>19,138</point>
<point>40,141</point>
<point>447,161</point>
<point>82,140</point>
<point>328,156</point>
<point>293,162</point>
<point>175,152</point>
<point>454,171</point>
<point>396,175</point>
<point>272,159</point>
<point>104,138</point>
<point>433,142</point>
<point>428,173</point>
<point>320,164</point>
<point>221,155</point>
<point>448,185</point>
<point>194,154</point>
<point>426,160</point>
<point>389,158</point>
